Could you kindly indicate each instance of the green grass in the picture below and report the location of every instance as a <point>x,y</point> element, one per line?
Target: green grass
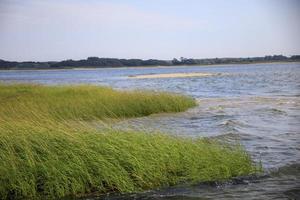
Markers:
<point>49,150</point>
<point>85,102</point>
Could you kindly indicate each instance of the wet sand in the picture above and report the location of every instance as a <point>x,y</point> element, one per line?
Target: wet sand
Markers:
<point>174,75</point>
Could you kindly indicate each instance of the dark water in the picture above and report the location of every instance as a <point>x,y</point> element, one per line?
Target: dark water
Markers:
<point>256,105</point>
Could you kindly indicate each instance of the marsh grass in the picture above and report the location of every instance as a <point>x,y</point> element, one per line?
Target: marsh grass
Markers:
<point>86,102</point>
<point>49,150</point>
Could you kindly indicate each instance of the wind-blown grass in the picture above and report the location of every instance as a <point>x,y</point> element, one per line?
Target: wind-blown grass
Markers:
<point>48,150</point>
<point>87,102</point>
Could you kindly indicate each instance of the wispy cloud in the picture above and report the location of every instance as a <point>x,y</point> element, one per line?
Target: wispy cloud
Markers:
<point>97,14</point>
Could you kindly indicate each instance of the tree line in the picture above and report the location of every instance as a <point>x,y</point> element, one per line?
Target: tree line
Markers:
<point>97,62</point>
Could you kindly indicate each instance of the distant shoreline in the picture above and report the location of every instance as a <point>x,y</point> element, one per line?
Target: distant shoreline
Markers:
<point>96,62</point>
<point>143,66</point>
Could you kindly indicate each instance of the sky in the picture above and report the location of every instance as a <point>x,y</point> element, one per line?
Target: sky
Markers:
<point>53,30</point>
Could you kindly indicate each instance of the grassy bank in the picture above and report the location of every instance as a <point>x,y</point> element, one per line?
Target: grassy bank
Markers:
<point>86,102</point>
<point>48,150</point>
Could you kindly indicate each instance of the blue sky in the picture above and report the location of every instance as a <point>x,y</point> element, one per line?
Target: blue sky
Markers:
<point>64,29</point>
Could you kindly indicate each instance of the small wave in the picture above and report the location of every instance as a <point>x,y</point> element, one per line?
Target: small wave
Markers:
<point>292,169</point>
<point>293,193</point>
<point>174,197</point>
<point>233,136</point>
<point>194,118</point>
<point>275,111</point>
<point>229,135</point>
<point>233,123</point>
<point>240,180</point>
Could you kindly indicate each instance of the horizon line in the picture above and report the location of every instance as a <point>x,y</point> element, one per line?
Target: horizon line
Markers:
<point>182,57</point>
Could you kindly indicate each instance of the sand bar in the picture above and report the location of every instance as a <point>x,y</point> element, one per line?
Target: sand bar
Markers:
<point>174,75</point>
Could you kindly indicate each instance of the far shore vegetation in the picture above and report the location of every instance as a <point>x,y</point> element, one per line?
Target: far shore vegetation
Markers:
<point>49,149</point>
<point>95,62</point>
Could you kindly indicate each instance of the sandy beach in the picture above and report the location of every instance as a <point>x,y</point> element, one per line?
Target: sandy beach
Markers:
<point>173,75</point>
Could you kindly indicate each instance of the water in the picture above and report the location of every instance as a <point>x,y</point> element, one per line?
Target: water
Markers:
<point>256,105</point>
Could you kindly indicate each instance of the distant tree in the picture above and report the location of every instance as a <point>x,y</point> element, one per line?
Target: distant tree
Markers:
<point>114,62</point>
<point>176,62</point>
<point>295,57</point>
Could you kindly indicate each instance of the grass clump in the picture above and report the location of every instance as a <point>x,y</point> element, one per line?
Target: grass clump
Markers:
<point>86,102</point>
<point>46,152</point>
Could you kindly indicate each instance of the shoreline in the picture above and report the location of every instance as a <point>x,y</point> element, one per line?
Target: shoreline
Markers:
<point>149,66</point>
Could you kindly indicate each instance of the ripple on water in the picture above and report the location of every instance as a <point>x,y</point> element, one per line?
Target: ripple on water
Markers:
<point>282,183</point>
<point>268,127</point>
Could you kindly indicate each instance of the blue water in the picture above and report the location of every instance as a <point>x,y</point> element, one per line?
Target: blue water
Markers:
<point>257,105</point>
<point>238,80</point>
